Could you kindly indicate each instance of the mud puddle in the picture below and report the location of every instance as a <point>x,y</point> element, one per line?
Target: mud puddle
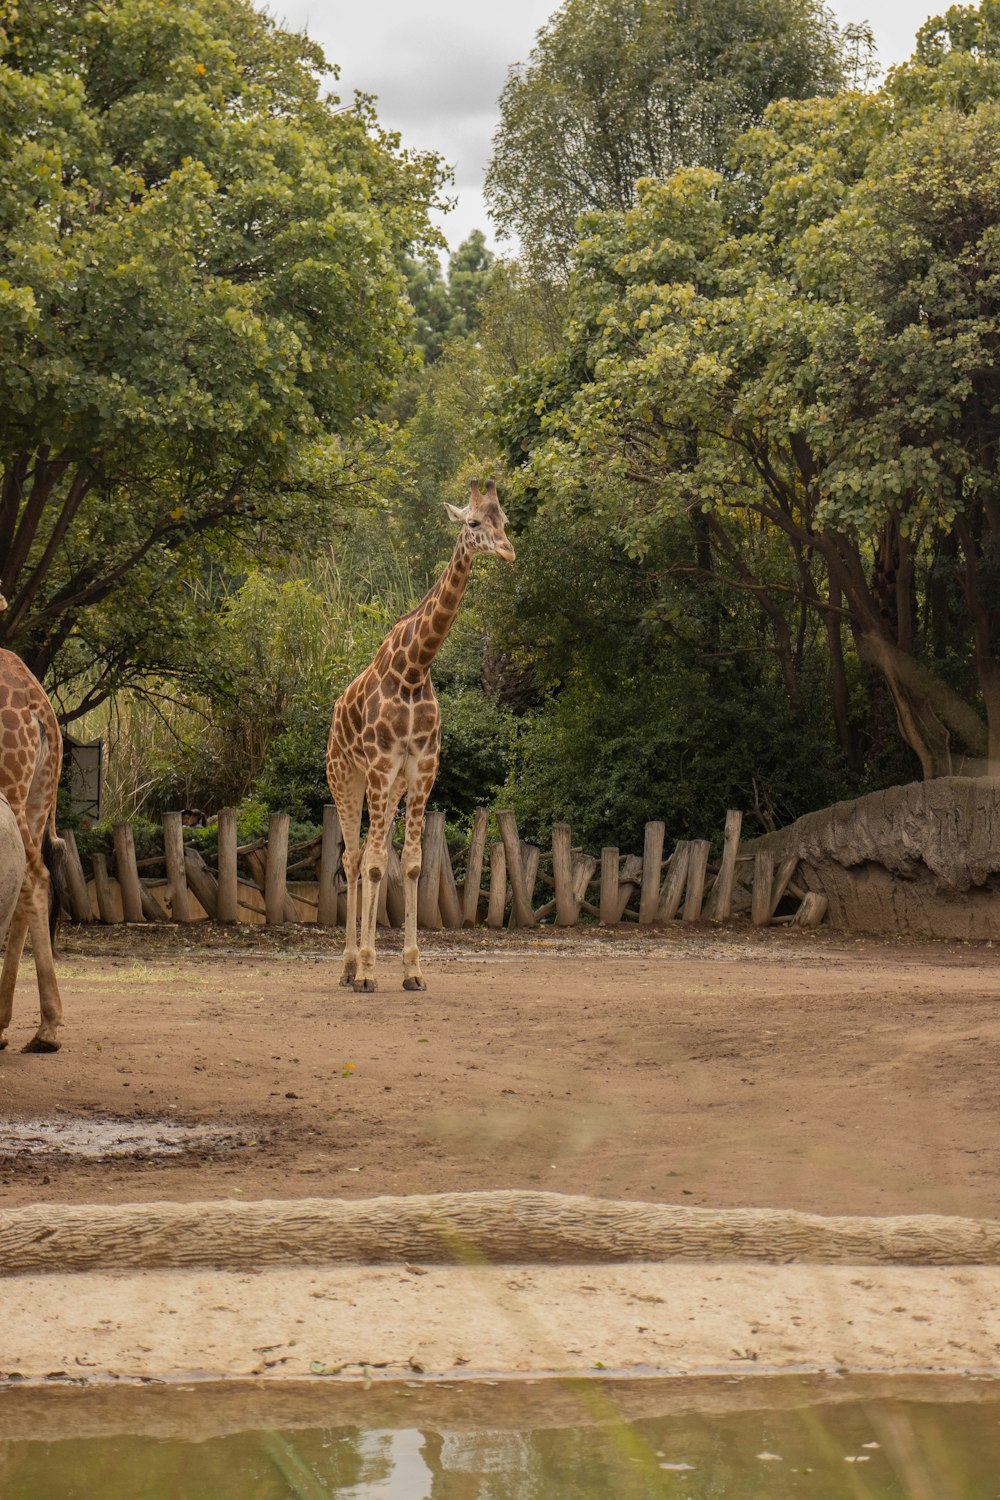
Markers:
<point>96,1140</point>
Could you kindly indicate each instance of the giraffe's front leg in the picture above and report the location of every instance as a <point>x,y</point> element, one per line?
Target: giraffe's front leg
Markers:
<point>373,863</point>
<point>45,1038</point>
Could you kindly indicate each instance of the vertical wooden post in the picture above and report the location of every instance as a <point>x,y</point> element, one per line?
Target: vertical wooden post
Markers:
<point>523,916</point>
<point>395,892</point>
<point>567,908</point>
<point>721,905</point>
<point>227,901</point>
<point>673,884</point>
<point>584,866</point>
<point>128,875</point>
<point>530,856</point>
<point>474,867</point>
<point>429,884</point>
<point>609,887</point>
<point>652,858</point>
<point>450,906</point>
<point>76,881</point>
<point>102,890</point>
<point>276,869</point>
<point>697,865</point>
<point>173,849</point>
<point>763,880</point>
<point>498,886</point>
<point>329,859</point>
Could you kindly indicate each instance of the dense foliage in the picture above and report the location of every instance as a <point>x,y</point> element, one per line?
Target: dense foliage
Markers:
<point>201,276</point>
<point>748,435</point>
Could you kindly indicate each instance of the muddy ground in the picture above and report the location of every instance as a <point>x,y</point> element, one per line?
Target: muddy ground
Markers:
<point>728,1068</point>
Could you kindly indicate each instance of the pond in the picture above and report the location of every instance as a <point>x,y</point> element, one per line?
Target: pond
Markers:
<point>741,1440</point>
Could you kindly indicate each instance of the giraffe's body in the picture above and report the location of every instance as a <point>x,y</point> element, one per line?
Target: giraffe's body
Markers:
<point>385,739</point>
<point>30,763</point>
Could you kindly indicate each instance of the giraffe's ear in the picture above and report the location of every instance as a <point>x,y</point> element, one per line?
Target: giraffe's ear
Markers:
<point>456,513</point>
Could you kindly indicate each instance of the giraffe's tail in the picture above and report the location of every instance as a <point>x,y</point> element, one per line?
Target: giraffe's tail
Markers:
<point>54,855</point>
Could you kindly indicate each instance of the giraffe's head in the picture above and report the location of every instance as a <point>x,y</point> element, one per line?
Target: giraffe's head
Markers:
<point>483,522</point>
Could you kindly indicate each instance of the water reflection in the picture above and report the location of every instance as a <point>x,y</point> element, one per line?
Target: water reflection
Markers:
<point>866,1450</point>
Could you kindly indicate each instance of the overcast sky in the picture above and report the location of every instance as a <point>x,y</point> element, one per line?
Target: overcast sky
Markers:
<point>437,68</point>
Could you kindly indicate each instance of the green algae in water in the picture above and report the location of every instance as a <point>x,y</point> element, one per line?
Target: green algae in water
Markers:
<point>866,1450</point>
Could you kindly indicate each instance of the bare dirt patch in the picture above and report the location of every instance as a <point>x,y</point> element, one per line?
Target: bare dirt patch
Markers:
<point>806,1071</point>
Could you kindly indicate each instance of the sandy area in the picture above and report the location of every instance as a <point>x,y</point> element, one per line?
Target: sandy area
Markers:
<point>462,1321</point>
<point>805,1071</point>
<point>703,1067</point>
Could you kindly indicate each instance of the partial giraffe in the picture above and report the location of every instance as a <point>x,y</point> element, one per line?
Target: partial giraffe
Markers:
<point>30,763</point>
<point>385,740</point>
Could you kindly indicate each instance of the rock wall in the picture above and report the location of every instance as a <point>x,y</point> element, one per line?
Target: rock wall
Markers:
<point>922,859</point>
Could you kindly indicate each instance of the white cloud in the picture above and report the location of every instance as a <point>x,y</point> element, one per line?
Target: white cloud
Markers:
<point>437,72</point>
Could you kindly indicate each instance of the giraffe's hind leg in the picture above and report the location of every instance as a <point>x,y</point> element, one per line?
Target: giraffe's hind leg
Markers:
<point>348,788</point>
<point>16,934</point>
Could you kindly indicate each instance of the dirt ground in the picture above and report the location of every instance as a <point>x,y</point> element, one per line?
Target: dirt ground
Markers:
<point>726,1068</point>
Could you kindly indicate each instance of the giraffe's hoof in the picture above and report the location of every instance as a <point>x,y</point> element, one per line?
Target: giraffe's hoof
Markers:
<point>40,1044</point>
<point>346,980</point>
<point>414,982</point>
<point>366,986</point>
<point>4,1043</point>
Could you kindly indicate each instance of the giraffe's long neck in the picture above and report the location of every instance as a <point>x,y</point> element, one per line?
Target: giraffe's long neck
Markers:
<point>435,614</point>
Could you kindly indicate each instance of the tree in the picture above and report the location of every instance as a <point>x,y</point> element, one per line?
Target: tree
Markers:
<point>200,296</point>
<point>618,90</point>
<point>802,363</point>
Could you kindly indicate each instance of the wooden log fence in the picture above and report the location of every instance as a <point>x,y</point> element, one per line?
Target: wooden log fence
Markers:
<point>267,880</point>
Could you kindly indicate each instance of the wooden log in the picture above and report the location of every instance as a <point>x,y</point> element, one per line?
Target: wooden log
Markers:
<point>451,907</point>
<point>102,890</point>
<point>763,883</point>
<point>567,902</point>
<point>257,865</point>
<point>202,882</point>
<point>329,860</point>
<point>652,858</point>
<point>523,916</point>
<point>498,886</point>
<point>697,865</point>
<point>584,868</point>
<point>151,908</point>
<point>530,856</point>
<point>227,900</point>
<point>276,870</point>
<point>79,897</point>
<point>173,851</point>
<point>721,904</point>
<point>783,881</point>
<point>544,912</point>
<point>429,884</point>
<point>474,867</point>
<point>811,911</point>
<point>128,875</point>
<point>608,908</point>
<point>395,892</point>
<point>674,881</point>
<point>628,882</point>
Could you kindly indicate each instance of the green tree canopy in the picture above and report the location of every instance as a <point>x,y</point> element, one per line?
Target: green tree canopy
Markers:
<point>200,294</point>
<point>618,90</point>
<point>803,362</point>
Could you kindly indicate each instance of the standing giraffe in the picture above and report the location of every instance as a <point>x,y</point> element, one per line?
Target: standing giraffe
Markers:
<point>386,736</point>
<point>30,762</point>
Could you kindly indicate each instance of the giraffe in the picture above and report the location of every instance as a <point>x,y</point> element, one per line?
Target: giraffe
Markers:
<point>385,739</point>
<point>30,762</point>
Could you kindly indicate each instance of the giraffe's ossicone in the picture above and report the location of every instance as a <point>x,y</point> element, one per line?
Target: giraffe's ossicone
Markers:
<point>30,763</point>
<point>385,740</point>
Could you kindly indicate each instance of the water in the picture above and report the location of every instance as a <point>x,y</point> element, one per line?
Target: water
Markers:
<point>515,1444</point>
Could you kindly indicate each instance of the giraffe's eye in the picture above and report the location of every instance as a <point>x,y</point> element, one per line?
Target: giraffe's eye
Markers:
<point>474,525</point>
